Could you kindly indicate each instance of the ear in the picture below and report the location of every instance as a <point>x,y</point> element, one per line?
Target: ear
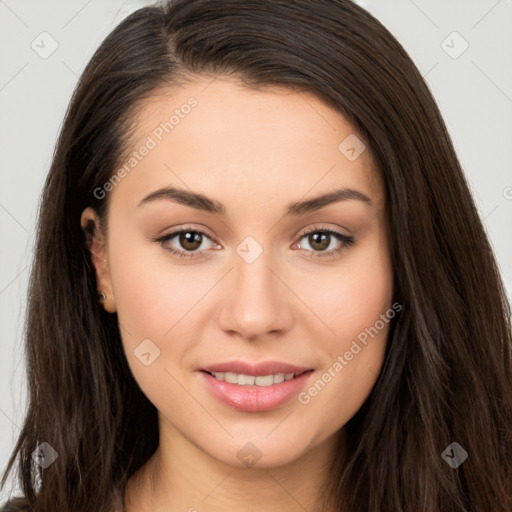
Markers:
<point>96,243</point>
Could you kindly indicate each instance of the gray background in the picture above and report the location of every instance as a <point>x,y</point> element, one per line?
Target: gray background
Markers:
<point>473,89</point>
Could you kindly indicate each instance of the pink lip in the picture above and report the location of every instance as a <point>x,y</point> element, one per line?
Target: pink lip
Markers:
<point>255,398</point>
<point>263,368</point>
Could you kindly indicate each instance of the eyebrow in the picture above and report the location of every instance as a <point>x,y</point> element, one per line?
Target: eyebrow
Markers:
<point>204,203</point>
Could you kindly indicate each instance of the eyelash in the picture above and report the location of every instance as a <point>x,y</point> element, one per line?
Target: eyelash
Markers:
<point>347,242</point>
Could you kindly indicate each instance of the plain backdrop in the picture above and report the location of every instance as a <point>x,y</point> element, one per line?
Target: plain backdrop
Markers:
<point>463,48</point>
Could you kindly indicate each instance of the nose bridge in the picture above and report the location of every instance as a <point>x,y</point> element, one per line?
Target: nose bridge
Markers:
<point>253,279</point>
<point>256,304</point>
<point>254,282</point>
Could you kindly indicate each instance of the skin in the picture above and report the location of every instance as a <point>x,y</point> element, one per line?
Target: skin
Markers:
<point>256,152</point>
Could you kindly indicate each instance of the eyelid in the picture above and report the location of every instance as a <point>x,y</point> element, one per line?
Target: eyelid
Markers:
<point>345,240</point>
<point>183,229</point>
<point>322,227</point>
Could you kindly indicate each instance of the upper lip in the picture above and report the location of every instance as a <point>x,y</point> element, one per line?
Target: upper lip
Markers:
<point>263,368</point>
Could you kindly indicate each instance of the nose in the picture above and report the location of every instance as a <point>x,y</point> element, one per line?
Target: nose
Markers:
<point>258,302</point>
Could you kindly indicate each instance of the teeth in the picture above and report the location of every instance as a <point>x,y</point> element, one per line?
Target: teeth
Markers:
<point>230,377</point>
<point>279,377</point>
<point>246,380</point>
<point>250,380</point>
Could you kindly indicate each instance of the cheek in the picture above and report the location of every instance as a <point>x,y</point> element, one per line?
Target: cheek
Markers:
<point>151,292</point>
<point>352,297</point>
<point>149,298</point>
<point>159,309</point>
<point>356,307</point>
<point>150,304</point>
<point>142,296</point>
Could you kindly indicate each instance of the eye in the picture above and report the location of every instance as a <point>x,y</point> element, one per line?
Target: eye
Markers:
<point>191,242</point>
<point>321,239</point>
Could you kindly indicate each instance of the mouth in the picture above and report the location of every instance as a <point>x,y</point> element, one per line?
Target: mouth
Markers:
<point>255,393</point>
<point>243,379</point>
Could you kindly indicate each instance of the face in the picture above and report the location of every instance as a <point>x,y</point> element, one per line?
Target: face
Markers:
<point>246,274</point>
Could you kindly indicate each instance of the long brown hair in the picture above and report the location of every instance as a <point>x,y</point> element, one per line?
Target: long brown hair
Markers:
<point>447,374</point>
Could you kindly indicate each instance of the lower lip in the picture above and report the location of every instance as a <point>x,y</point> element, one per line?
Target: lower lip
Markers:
<point>255,398</point>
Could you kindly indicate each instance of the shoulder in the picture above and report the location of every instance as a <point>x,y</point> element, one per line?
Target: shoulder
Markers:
<point>15,505</point>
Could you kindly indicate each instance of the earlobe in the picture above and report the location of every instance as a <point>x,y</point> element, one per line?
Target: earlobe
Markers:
<point>96,245</point>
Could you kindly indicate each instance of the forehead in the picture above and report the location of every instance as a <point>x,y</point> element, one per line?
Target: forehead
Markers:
<point>218,136</point>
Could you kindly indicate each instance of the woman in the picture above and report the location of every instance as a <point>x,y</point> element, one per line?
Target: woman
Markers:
<point>261,281</point>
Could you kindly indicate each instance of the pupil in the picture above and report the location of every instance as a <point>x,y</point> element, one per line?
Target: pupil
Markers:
<point>190,240</point>
<point>320,238</point>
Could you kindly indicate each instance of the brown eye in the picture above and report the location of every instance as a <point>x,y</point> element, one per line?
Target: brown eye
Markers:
<point>320,239</point>
<point>190,240</point>
<point>186,243</point>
